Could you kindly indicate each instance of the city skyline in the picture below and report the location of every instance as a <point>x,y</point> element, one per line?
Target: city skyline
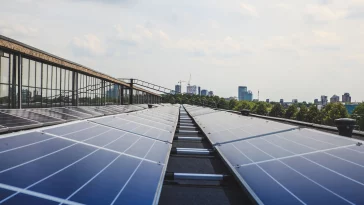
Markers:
<point>295,49</point>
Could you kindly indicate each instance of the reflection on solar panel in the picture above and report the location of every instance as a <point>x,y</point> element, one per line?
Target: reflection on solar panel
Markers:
<point>33,116</point>
<point>288,166</point>
<point>72,112</point>
<point>13,122</point>
<point>54,114</point>
<point>85,110</point>
<point>83,163</point>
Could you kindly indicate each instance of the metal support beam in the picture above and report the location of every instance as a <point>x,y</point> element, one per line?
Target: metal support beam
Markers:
<point>188,138</point>
<point>20,83</point>
<point>191,151</point>
<point>195,176</point>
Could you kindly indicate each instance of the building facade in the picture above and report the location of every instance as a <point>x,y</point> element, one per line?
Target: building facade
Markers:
<point>199,90</point>
<point>204,92</point>
<point>334,99</point>
<point>244,94</point>
<point>324,100</point>
<point>294,101</point>
<point>192,89</point>
<point>211,93</point>
<point>281,101</point>
<point>346,98</point>
<point>177,89</point>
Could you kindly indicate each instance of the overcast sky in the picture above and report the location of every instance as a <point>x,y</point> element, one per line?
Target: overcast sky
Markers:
<point>285,49</point>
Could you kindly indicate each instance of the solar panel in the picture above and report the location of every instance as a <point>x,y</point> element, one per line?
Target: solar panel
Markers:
<point>82,163</point>
<point>46,120</point>
<point>16,123</point>
<point>3,129</point>
<point>85,110</point>
<point>54,114</point>
<point>299,166</point>
<point>71,112</point>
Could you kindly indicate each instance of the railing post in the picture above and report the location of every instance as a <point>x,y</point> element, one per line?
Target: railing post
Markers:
<point>20,83</point>
<point>121,94</point>
<point>131,92</point>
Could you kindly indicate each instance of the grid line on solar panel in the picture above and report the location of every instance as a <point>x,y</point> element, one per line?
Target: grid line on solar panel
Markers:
<point>144,156</point>
<point>36,194</point>
<point>99,147</point>
<point>154,119</point>
<point>135,133</point>
<point>126,118</point>
<point>150,117</point>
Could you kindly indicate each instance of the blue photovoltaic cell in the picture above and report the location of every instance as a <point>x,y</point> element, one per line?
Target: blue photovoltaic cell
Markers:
<point>267,190</point>
<point>89,167</point>
<point>74,127</point>
<point>19,156</point>
<point>300,166</point>
<point>142,187</point>
<point>304,189</point>
<point>66,182</point>
<point>4,193</point>
<point>332,181</point>
<point>27,199</point>
<point>12,142</point>
<point>30,173</point>
<point>159,151</point>
<point>109,182</point>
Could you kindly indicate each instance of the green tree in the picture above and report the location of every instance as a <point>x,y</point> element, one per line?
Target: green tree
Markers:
<point>301,115</point>
<point>333,111</point>
<point>358,114</point>
<point>313,115</point>
<point>260,108</point>
<point>291,112</point>
<point>277,110</point>
<point>232,104</point>
<point>223,104</point>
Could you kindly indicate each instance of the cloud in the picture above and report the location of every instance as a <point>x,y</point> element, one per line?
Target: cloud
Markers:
<point>248,10</point>
<point>17,30</point>
<point>88,45</point>
<point>324,13</point>
<point>140,35</point>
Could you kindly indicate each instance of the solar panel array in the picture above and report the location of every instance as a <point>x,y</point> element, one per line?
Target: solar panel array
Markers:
<point>117,159</point>
<point>283,164</point>
<point>19,119</point>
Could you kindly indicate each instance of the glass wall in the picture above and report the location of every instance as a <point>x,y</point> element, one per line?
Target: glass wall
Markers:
<point>47,85</point>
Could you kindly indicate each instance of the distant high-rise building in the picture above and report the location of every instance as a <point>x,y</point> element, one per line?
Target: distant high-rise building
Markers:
<point>335,99</point>
<point>177,88</point>
<point>192,89</point>
<point>199,90</point>
<point>244,94</point>
<point>294,101</point>
<point>346,98</point>
<point>267,100</point>
<point>204,92</point>
<point>324,100</point>
<point>316,102</point>
<point>211,93</point>
<point>281,101</point>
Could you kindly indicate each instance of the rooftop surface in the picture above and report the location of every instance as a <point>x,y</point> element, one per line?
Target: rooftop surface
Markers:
<point>132,154</point>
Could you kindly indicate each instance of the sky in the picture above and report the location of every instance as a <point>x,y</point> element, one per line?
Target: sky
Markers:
<point>290,49</point>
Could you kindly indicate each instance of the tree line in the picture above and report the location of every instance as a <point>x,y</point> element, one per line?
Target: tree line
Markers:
<point>298,111</point>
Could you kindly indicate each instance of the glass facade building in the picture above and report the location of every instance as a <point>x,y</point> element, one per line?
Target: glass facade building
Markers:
<point>31,78</point>
<point>244,94</point>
